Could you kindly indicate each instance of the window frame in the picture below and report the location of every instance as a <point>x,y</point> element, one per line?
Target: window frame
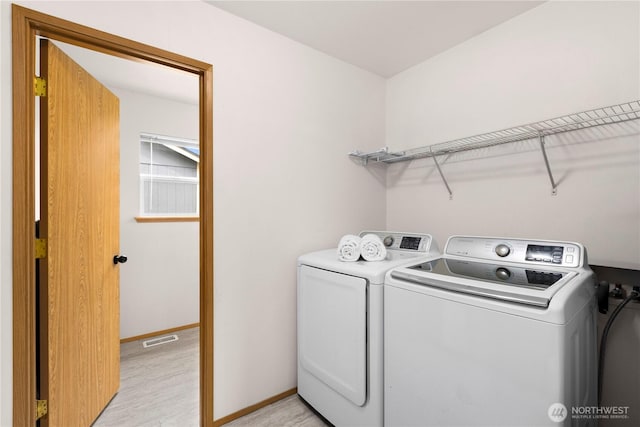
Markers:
<point>176,144</point>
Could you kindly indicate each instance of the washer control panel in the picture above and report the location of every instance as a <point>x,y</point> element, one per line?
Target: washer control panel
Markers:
<point>411,242</point>
<point>544,252</point>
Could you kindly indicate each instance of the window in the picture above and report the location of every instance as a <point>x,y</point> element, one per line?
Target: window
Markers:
<point>169,176</point>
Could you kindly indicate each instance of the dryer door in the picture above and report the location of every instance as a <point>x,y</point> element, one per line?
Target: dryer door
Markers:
<point>332,330</point>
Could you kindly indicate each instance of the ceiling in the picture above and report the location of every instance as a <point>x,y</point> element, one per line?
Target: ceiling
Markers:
<point>384,37</point>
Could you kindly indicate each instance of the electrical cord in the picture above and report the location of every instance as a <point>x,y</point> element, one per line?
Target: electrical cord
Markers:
<point>603,341</point>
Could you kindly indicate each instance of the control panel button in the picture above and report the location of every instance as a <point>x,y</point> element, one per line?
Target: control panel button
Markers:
<point>569,259</point>
<point>502,250</point>
<point>388,241</point>
<point>503,273</point>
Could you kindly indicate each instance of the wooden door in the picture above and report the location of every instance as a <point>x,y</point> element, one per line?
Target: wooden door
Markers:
<point>79,282</point>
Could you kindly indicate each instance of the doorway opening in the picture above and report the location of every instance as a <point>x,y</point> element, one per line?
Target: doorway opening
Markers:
<point>27,24</point>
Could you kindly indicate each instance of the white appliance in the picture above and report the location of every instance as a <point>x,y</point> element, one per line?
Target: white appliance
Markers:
<point>495,332</point>
<point>340,308</point>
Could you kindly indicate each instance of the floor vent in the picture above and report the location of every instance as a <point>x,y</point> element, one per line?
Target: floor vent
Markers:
<point>160,340</point>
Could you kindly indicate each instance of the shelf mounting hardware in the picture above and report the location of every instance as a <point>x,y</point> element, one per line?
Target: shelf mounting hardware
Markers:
<point>382,155</point>
<point>446,184</point>
<point>554,185</point>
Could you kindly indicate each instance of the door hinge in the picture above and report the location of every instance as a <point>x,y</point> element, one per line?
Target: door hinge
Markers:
<point>41,248</point>
<point>39,86</point>
<point>41,409</point>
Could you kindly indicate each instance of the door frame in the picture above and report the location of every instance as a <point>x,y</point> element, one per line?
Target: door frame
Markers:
<point>26,25</point>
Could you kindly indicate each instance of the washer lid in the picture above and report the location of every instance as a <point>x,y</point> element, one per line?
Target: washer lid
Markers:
<point>507,282</point>
<point>528,277</point>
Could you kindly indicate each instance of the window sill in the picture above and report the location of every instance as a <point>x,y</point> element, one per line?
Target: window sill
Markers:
<point>167,219</point>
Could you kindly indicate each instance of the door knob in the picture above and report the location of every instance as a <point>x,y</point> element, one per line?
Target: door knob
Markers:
<point>119,259</point>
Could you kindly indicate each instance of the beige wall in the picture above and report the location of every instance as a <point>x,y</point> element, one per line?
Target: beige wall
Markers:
<point>284,118</point>
<point>159,285</point>
<point>556,59</point>
<point>5,219</point>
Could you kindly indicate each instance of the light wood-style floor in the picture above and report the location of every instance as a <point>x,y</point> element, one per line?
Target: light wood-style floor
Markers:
<point>288,412</point>
<point>159,388</point>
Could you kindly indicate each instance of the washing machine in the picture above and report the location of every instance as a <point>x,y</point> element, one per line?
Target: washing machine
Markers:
<point>340,342</point>
<point>495,332</point>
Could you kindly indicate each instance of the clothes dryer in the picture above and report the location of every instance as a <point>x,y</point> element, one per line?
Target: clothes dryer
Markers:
<point>496,331</point>
<point>340,342</point>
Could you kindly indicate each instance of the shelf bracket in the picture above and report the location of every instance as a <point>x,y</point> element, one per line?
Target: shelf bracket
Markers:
<point>375,155</point>
<point>446,184</point>
<point>554,186</point>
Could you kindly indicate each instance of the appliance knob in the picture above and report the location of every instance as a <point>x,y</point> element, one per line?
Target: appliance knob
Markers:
<point>502,273</point>
<point>388,241</point>
<point>502,250</point>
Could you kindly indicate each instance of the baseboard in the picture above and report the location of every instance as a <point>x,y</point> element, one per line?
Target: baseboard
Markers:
<point>155,334</point>
<point>253,408</point>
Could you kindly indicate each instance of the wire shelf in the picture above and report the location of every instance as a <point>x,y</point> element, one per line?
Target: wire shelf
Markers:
<point>586,119</point>
<point>613,114</point>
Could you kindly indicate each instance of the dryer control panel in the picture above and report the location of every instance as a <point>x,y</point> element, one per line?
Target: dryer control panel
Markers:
<point>543,252</point>
<point>411,242</point>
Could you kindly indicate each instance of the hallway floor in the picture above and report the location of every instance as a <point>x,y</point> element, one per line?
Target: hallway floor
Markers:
<point>158,385</point>
<point>159,388</point>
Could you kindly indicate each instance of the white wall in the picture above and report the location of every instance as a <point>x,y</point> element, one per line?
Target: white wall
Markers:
<point>559,58</point>
<point>284,118</point>
<point>159,285</point>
